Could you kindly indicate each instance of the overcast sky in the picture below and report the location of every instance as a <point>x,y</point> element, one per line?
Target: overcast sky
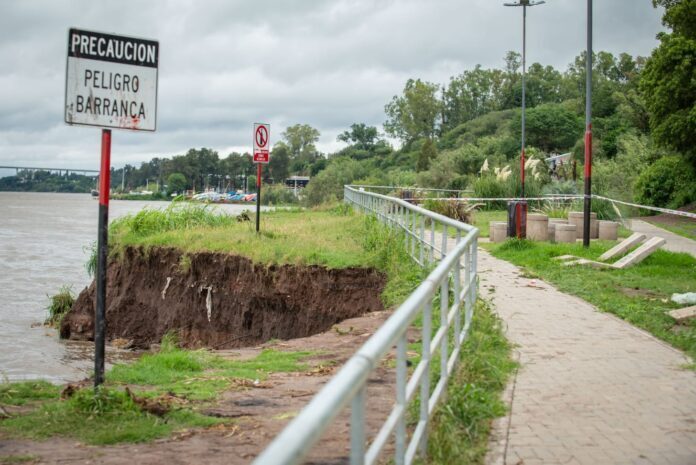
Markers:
<point>227,63</point>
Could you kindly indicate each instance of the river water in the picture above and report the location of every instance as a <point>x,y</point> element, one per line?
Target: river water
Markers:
<point>45,240</point>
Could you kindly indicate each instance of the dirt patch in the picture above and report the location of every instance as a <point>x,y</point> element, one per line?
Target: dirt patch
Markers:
<point>219,300</point>
<point>640,292</point>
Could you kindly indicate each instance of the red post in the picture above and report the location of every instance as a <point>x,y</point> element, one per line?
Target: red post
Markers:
<point>102,256</point>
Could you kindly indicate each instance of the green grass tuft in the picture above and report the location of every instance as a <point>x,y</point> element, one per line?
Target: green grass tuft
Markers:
<point>27,391</point>
<point>59,305</point>
<point>461,425</point>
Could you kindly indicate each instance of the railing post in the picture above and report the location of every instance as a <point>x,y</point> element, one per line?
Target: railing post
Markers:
<point>457,292</point>
<point>432,241</point>
<point>425,380</point>
<point>444,241</point>
<point>401,373</point>
<point>412,227</point>
<point>357,428</point>
<point>444,306</point>
<point>422,240</point>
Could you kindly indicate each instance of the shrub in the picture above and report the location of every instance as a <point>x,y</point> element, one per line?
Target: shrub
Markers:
<point>278,194</point>
<point>669,182</point>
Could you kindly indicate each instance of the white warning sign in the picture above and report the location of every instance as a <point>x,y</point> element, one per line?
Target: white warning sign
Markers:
<point>111,81</point>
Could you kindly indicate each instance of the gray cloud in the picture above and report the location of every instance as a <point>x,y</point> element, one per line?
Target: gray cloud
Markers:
<point>225,64</point>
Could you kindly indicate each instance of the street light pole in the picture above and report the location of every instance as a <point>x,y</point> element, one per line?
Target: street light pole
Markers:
<point>588,131</point>
<point>524,4</point>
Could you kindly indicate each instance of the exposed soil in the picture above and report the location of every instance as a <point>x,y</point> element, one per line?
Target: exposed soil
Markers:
<point>218,300</point>
<point>260,412</point>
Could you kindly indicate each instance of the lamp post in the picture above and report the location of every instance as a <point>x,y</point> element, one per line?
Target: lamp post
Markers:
<point>588,131</point>
<point>524,4</point>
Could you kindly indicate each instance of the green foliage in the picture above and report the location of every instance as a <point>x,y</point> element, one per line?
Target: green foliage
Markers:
<point>176,182</point>
<point>551,127</point>
<point>279,164</point>
<point>45,181</point>
<point>59,305</point>
<point>416,114</point>
<point>176,216</point>
<point>669,182</point>
<point>278,194</point>
<point>461,426</point>
<point>361,137</point>
<point>656,278</point>
<point>328,185</point>
<point>427,153</point>
<point>668,82</point>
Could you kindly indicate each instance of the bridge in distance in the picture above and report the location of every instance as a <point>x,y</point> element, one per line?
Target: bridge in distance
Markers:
<point>60,171</point>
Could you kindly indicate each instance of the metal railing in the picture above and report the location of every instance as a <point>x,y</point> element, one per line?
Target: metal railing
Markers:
<point>423,230</point>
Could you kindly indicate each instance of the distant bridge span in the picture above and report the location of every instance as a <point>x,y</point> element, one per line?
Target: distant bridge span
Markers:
<point>59,170</point>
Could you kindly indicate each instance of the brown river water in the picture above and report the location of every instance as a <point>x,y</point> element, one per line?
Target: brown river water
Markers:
<point>44,243</point>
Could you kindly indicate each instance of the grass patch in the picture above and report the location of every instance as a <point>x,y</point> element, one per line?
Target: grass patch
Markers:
<point>26,391</point>
<point>12,459</point>
<point>461,425</point>
<point>199,375</point>
<point>482,219</point>
<point>332,238</point>
<point>111,416</point>
<point>639,295</point>
<point>59,304</point>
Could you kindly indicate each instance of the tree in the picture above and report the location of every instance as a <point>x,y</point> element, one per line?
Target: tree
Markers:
<point>176,182</point>
<point>471,94</point>
<point>280,162</point>
<point>426,155</point>
<point>361,136</point>
<point>551,127</point>
<point>300,140</point>
<point>416,114</point>
<point>668,82</point>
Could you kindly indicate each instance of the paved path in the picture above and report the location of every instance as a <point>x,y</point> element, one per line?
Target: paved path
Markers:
<point>591,389</point>
<point>675,242</point>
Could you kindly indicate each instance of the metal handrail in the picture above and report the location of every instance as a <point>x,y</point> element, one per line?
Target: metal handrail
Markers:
<point>350,383</point>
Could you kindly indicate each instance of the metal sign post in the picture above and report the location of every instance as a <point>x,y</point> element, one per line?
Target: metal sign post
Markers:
<point>110,82</point>
<point>262,136</point>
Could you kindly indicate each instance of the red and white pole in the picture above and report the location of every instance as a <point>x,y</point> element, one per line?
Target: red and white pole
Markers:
<point>102,256</point>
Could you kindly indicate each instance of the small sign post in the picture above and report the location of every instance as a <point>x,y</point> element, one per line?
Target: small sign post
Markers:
<point>262,136</point>
<point>110,82</point>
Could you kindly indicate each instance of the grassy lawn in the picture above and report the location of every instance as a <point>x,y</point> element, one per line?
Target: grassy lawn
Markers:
<point>639,295</point>
<point>482,219</point>
<point>181,382</point>
<point>333,238</point>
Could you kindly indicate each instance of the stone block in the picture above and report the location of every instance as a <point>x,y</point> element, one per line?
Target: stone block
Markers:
<point>623,246</point>
<point>608,230</point>
<point>497,231</point>
<point>682,315</point>
<point>566,233</point>
<point>641,253</point>
<point>576,218</point>
<point>537,227</point>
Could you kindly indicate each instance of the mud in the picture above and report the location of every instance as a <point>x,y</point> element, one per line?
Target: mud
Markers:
<point>220,301</point>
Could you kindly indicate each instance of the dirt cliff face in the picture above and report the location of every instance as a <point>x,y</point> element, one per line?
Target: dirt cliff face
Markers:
<point>219,300</point>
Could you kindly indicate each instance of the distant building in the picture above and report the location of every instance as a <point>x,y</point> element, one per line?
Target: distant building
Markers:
<point>297,181</point>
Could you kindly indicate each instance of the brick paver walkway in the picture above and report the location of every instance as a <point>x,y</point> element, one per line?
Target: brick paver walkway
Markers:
<point>591,389</point>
